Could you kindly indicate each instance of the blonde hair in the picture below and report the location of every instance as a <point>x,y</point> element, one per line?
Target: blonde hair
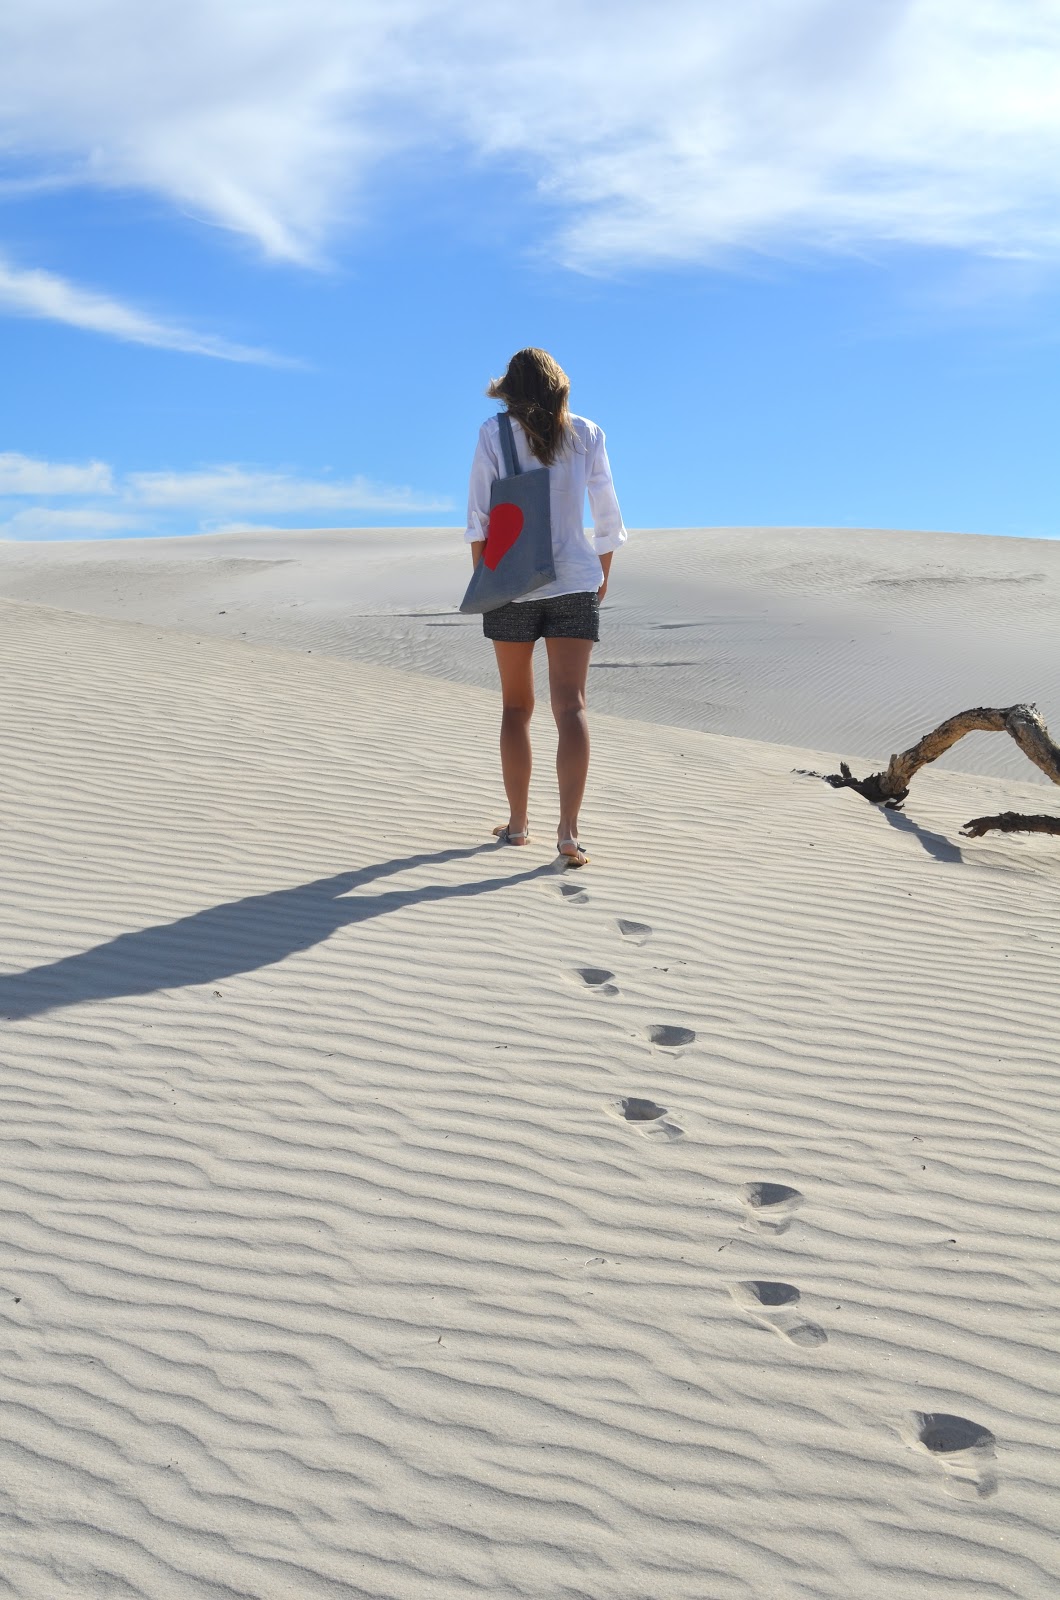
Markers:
<point>535,390</point>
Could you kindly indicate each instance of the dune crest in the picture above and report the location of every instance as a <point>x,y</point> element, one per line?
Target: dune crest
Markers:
<point>843,639</point>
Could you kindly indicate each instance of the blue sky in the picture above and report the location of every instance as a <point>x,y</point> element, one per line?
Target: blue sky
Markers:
<point>257,264</point>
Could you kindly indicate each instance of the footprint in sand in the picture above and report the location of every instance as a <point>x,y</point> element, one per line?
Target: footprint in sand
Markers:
<point>668,1037</point>
<point>963,1449</point>
<point>638,932</point>
<point>574,893</point>
<point>771,1207</point>
<point>776,1306</point>
<point>597,978</point>
<point>650,1119</point>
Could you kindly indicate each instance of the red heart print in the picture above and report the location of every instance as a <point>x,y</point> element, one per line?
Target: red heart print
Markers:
<point>505,526</point>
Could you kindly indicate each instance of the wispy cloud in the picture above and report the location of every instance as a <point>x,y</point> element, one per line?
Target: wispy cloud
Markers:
<point>224,489</point>
<point>26,475</point>
<point>692,130</point>
<point>32,293</point>
<point>676,132</point>
<point>256,117</point>
<point>209,498</point>
<point>47,522</point>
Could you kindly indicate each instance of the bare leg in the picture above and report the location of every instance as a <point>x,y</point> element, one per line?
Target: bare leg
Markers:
<point>515,663</point>
<point>568,668</point>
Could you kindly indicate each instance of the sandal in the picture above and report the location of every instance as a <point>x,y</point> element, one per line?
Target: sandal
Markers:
<point>574,858</point>
<point>505,835</point>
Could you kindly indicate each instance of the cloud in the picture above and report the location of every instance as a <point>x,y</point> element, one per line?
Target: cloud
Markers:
<point>234,488</point>
<point>24,475</point>
<point>213,497</point>
<point>42,294</point>
<point>678,132</point>
<point>252,116</point>
<point>44,522</point>
<point>786,125</point>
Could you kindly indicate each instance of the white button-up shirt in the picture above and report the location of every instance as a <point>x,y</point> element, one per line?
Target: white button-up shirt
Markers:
<point>580,465</point>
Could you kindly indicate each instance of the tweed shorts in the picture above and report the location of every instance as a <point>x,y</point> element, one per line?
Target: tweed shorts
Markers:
<point>566,616</point>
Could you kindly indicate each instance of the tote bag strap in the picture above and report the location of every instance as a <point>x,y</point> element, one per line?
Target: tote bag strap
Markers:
<point>507,438</point>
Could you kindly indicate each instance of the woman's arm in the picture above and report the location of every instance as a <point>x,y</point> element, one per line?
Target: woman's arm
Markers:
<point>608,528</point>
<point>484,469</point>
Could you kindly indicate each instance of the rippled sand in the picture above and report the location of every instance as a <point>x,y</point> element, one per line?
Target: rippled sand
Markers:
<point>385,1213</point>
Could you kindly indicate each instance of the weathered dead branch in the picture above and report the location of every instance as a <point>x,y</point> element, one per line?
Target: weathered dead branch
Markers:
<point>1010,822</point>
<point>1023,723</point>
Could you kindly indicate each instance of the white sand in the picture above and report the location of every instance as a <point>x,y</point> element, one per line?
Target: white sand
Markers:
<point>330,1264</point>
<point>844,640</point>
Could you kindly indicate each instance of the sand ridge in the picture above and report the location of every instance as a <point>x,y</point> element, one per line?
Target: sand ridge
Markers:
<point>389,1214</point>
<point>849,640</point>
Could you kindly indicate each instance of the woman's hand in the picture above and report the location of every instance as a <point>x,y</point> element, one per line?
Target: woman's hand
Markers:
<point>605,567</point>
<point>602,590</point>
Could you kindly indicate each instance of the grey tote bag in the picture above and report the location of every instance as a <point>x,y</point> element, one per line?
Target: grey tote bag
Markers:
<point>518,554</point>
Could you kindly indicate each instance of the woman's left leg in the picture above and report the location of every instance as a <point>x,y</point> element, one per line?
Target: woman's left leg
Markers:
<point>568,668</point>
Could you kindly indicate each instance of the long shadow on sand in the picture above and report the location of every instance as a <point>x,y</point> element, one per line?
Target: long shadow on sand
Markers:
<point>936,844</point>
<point>239,936</point>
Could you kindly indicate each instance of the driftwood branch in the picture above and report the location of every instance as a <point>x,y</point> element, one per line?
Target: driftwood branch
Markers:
<point>1010,822</point>
<point>1024,724</point>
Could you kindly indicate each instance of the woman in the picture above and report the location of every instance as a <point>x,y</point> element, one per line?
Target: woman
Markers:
<point>565,613</point>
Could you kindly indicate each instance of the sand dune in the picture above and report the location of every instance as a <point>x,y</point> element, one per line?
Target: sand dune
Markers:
<point>385,1214</point>
<point>848,640</point>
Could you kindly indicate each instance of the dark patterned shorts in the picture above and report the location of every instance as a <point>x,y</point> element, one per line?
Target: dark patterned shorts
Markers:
<point>567,616</point>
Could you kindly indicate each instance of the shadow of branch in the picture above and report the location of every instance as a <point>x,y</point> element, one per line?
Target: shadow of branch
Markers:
<point>936,844</point>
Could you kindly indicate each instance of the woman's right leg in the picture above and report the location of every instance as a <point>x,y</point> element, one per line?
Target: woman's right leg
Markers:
<point>516,665</point>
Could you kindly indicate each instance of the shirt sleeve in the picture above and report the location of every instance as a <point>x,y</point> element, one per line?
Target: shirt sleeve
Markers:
<point>484,469</point>
<point>608,529</point>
